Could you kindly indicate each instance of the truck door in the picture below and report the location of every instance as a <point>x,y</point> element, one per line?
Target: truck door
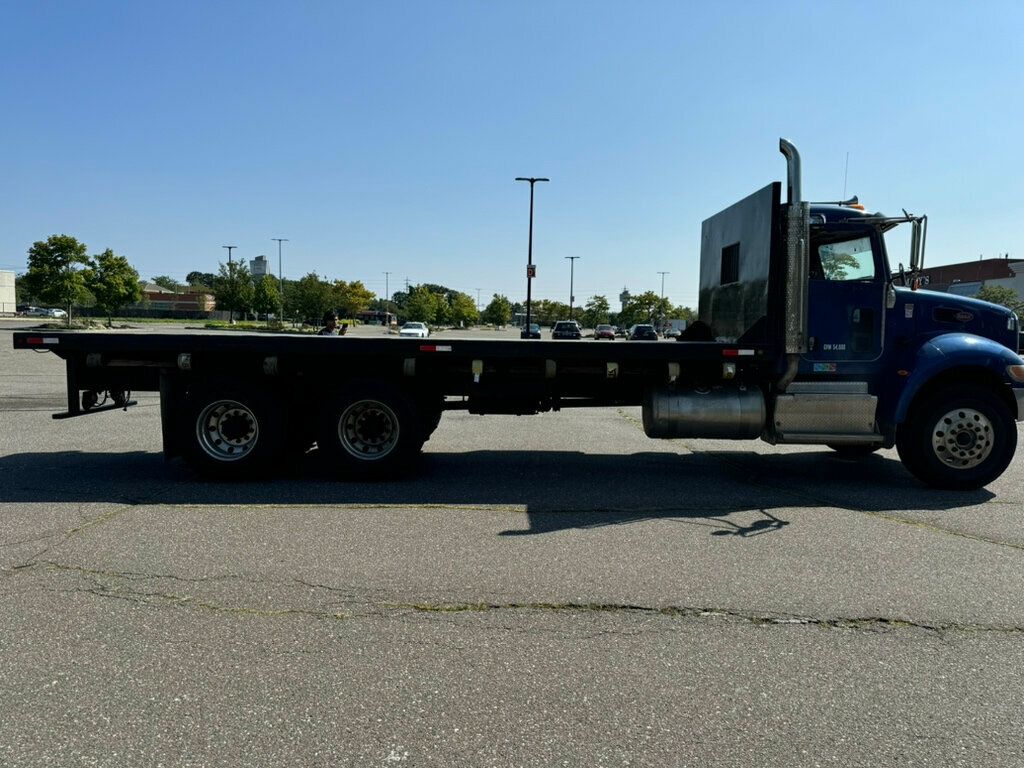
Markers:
<point>846,296</point>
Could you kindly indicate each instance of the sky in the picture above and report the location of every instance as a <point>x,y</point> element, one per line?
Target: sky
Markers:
<point>385,136</point>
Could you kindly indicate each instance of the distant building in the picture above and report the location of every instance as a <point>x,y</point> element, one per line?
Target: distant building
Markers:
<point>156,298</point>
<point>969,277</point>
<point>259,266</point>
<point>7,296</point>
<point>624,298</point>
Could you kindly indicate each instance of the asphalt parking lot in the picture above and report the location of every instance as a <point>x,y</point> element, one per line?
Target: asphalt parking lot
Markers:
<point>548,590</point>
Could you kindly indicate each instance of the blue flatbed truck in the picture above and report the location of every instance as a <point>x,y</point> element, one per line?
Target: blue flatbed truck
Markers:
<point>806,335</point>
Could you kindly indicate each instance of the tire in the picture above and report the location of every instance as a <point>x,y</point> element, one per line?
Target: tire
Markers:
<point>228,433</point>
<point>961,438</point>
<point>370,431</point>
<point>854,451</point>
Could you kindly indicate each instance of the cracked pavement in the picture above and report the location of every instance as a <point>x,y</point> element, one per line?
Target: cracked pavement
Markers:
<point>548,590</point>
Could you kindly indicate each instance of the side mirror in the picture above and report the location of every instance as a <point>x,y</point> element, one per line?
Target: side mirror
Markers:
<point>919,232</point>
<point>915,245</point>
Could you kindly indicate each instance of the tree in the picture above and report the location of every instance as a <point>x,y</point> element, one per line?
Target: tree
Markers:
<point>168,282</point>
<point>352,298</point>
<point>113,282</point>
<point>1000,294</point>
<point>200,280</point>
<point>233,289</point>
<point>55,271</point>
<point>498,312</point>
<point>309,297</point>
<point>463,309</point>
<point>422,305</point>
<point>646,307</point>
<point>265,297</point>
<point>595,311</point>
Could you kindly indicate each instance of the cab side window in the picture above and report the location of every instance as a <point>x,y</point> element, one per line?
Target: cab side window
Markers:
<point>845,260</point>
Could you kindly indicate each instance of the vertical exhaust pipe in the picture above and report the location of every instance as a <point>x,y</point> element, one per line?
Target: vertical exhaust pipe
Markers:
<point>793,192</point>
<point>797,242</point>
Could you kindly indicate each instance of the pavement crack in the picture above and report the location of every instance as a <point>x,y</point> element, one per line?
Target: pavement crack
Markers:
<point>763,619</point>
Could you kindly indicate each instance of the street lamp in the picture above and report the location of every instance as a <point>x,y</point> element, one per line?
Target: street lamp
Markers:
<point>280,273</point>
<point>231,275</point>
<point>572,265</point>
<point>530,270</point>
<point>662,307</point>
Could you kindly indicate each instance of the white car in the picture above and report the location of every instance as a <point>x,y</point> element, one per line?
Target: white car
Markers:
<point>414,331</point>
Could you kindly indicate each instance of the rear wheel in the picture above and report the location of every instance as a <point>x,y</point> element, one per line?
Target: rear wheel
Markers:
<point>228,433</point>
<point>370,430</point>
<point>961,438</point>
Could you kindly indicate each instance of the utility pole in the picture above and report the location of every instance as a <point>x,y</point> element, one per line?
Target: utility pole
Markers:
<point>280,274</point>
<point>478,301</point>
<point>387,296</point>
<point>231,274</point>
<point>662,307</point>
<point>530,269</point>
<point>572,265</point>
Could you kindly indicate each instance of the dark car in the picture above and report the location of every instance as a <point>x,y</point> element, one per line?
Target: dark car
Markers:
<point>532,333</point>
<point>643,333</point>
<point>604,331</point>
<point>566,329</point>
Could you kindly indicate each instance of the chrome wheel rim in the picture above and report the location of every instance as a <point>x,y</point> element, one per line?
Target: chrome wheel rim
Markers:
<point>227,430</point>
<point>962,439</point>
<point>368,430</point>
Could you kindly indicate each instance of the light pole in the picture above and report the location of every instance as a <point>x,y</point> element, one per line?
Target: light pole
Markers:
<point>387,295</point>
<point>280,273</point>
<point>663,296</point>
<point>231,276</point>
<point>530,271</point>
<point>572,266</point>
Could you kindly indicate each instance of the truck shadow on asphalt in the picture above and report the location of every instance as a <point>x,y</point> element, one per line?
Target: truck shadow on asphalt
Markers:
<point>735,493</point>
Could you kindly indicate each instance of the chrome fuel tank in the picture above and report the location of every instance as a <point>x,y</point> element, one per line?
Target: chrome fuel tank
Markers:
<point>733,413</point>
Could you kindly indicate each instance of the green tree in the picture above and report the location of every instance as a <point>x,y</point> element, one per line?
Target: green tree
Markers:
<point>498,312</point>
<point>233,289</point>
<point>307,299</point>
<point>55,267</point>
<point>265,296</point>
<point>422,305</point>
<point>646,307</point>
<point>113,282</point>
<point>463,309</point>
<point>21,292</point>
<point>1000,294</point>
<point>352,298</point>
<point>168,282</point>
<point>200,280</point>
<point>595,311</point>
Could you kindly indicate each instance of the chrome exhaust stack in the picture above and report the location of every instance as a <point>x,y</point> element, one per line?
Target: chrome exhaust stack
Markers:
<point>797,242</point>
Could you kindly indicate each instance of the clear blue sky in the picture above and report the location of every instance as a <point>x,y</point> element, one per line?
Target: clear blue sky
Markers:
<point>386,135</point>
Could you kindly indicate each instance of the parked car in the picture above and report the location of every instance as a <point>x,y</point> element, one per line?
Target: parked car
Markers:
<point>45,312</point>
<point>566,329</point>
<point>414,331</point>
<point>532,333</point>
<point>643,333</point>
<point>604,331</point>
<point>672,333</point>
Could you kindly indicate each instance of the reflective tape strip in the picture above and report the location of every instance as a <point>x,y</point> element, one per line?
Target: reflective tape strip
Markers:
<point>737,353</point>
<point>42,340</point>
<point>435,348</point>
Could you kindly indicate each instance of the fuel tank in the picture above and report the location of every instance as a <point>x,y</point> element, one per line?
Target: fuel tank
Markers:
<point>733,413</point>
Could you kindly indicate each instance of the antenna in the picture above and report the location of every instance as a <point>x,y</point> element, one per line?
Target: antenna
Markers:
<point>846,172</point>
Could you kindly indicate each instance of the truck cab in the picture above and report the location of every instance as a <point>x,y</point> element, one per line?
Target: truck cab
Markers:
<point>866,359</point>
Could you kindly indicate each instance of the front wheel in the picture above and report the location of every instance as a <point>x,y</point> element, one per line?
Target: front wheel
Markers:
<point>960,439</point>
